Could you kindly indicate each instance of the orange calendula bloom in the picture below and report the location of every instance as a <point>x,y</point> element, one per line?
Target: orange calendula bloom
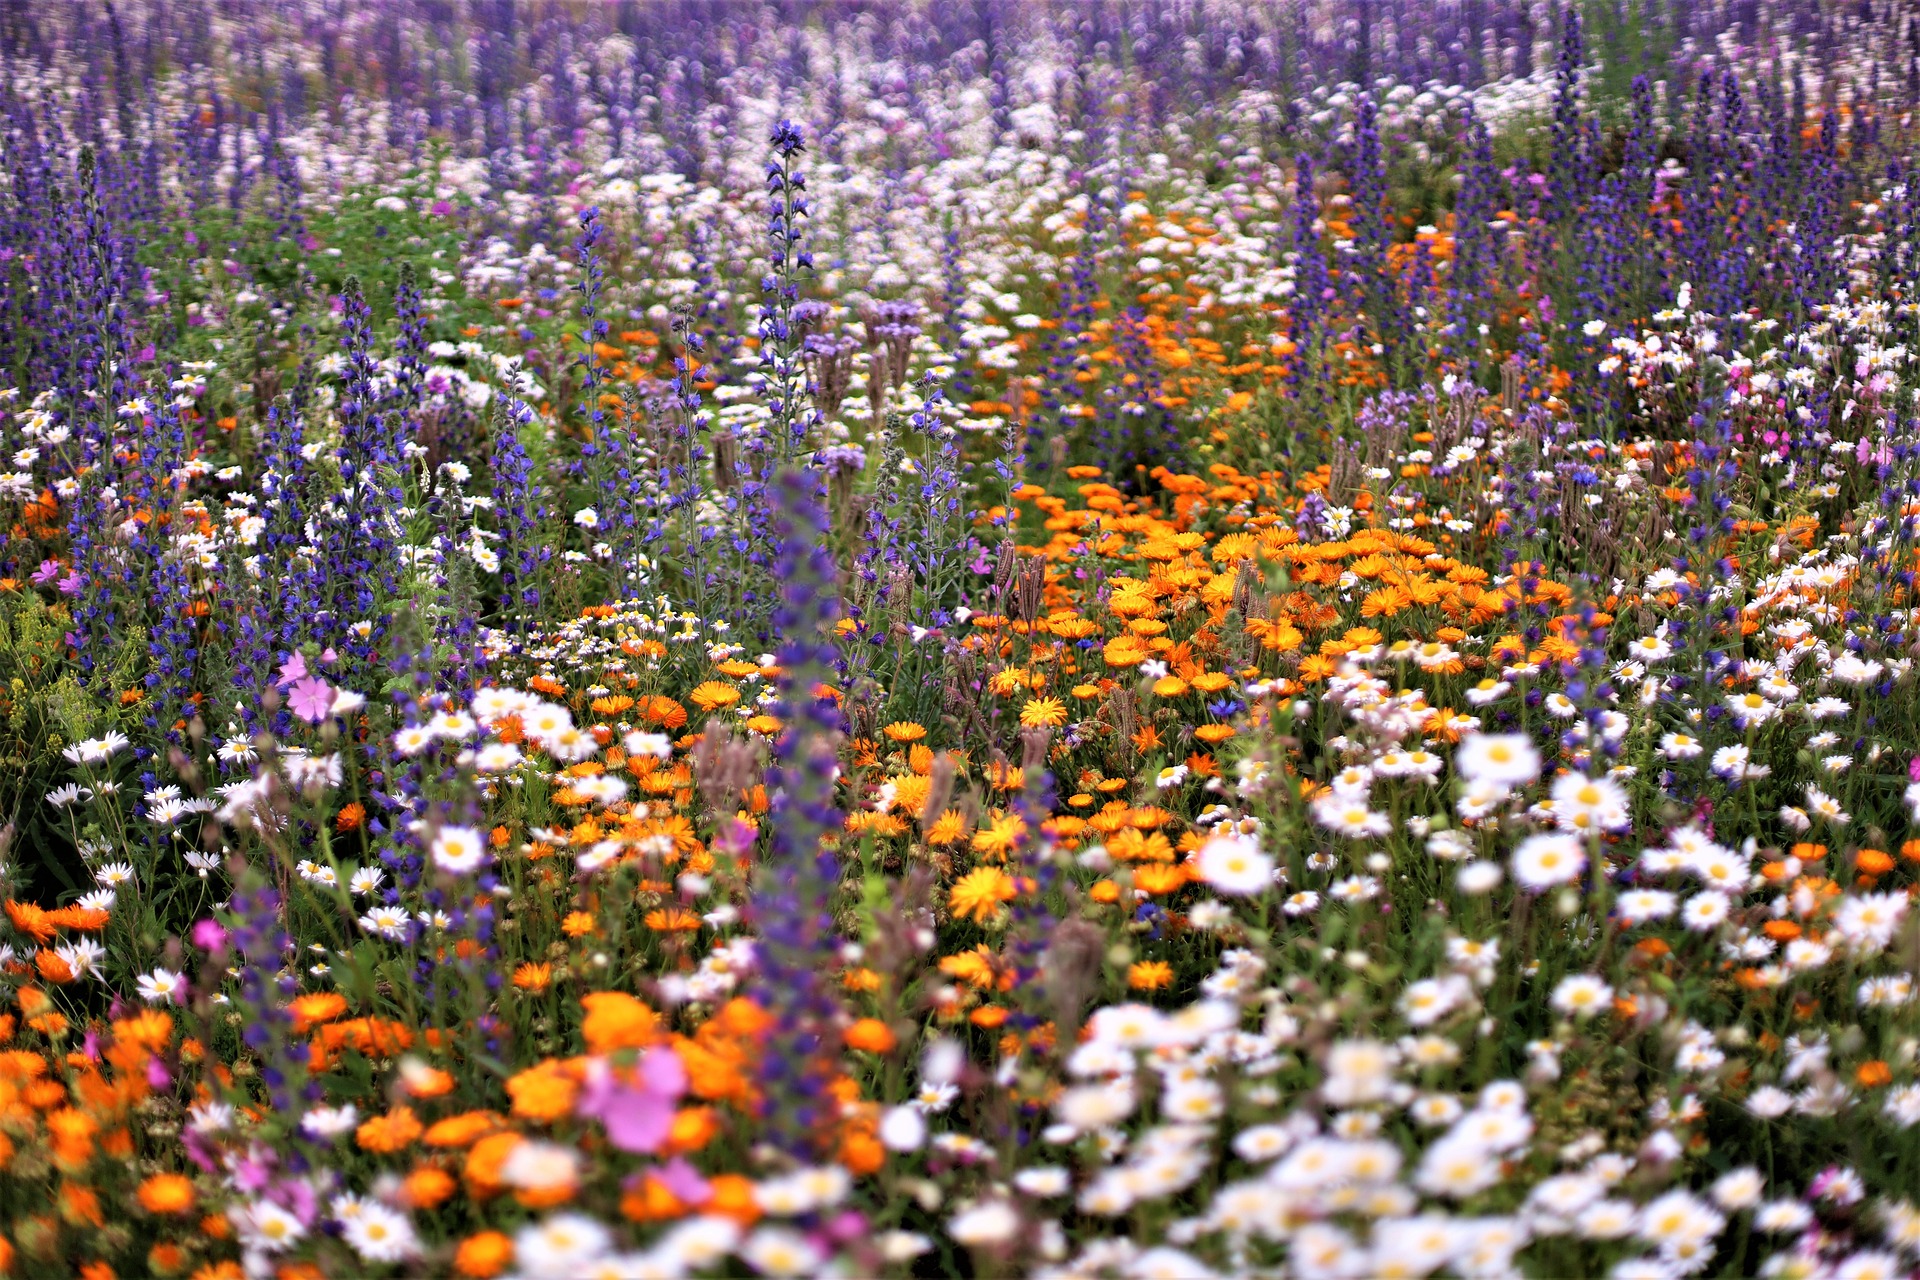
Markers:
<point>1000,838</point>
<point>166,1193</point>
<point>979,893</point>
<point>427,1187</point>
<point>713,695</point>
<point>1043,713</point>
<point>391,1132</point>
<point>905,731</point>
<point>483,1256</point>
<point>464,1130</point>
<point>615,1021</point>
<point>1150,975</point>
<point>673,920</point>
<point>947,828</point>
<point>543,1092</point>
<point>30,920</point>
<point>870,1035</point>
<point>318,1007</point>
<point>533,977</point>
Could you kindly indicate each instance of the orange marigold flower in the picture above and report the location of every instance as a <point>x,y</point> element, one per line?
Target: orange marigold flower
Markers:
<point>81,1206</point>
<point>1874,862</point>
<point>947,828</point>
<point>905,731</point>
<point>733,1197</point>
<point>870,1035</point>
<point>577,924</point>
<point>483,1256</point>
<point>315,1008</point>
<point>424,1081</point>
<point>427,1187</point>
<point>1872,1075</point>
<point>391,1132</point>
<point>712,695</point>
<point>52,967</point>
<point>166,1193</point>
<point>1150,975</point>
<point>464,1129</point>
<point>543,1092</point>
<point>673,920</point>
<point>693,1128</point>
<point>151,1029</point>
<point>350,818</point>
<point>980,892</point>
<point>1159,877</point>
<point>1043,713</point>
<point>30,920</point>
<point>972,967</point>
<point>72,1136</point>
<point>1000,838</point>
<point>486,1159</point>
<point>533,977</point>
<point>615,1021</point>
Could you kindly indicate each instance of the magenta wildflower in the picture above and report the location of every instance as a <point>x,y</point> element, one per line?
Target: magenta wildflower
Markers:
<point>311,699</point>
<point>294,668</point>
<point>637,1110</point>
<point>209,935</point>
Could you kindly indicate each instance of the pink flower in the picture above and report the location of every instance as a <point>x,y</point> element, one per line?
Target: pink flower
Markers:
<point>311,699</point>
<point>294,668</point>
<point>637,1110</point>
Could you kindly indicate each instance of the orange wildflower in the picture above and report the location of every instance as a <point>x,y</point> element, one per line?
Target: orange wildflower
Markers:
<point>543,1092</point>
<point>315,1008</point>
<point>616,1020</point>
<point>464,1129</point>
<point>485,1160</point>
<point>733,1197</point>
<point>870,1035</point>
<point>394,1131</point>
<point>693,1128</point>
<point>166,1193</point>
<point>1150,975</point>
<point>427,1187</point>
<point>483,1256</point>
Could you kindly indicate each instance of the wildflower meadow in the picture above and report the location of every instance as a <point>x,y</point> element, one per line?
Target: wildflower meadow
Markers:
<point>1103,638</point>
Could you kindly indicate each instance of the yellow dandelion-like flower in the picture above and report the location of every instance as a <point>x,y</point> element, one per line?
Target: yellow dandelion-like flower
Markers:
<point>999,839</point>
<point>980,892</point>
<point>1043,713</point>
<point>947,828</point>
<point>1150,975</point>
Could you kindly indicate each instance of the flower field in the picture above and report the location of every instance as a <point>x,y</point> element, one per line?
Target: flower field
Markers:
<point>990,638</point>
